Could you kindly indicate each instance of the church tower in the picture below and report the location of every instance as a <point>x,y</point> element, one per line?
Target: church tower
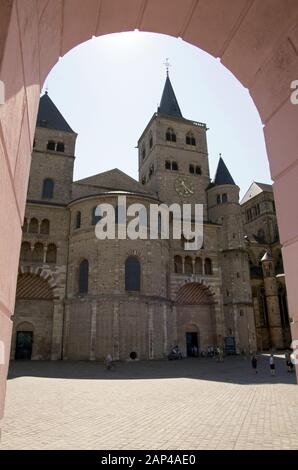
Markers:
<point>224,209</point>
<point>41,287</point>
<point>51,173</point>
<point>173,155</point>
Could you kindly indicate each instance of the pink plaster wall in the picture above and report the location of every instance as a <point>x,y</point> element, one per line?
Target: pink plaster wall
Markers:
<point>256,40</point>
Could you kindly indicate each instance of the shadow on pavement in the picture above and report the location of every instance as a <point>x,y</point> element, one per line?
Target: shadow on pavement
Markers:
<point>235,369</point>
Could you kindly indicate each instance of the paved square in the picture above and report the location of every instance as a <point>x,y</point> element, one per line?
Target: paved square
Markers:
<point>187,404</point>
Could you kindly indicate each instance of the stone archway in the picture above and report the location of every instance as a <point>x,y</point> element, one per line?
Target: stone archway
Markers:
<point>195,317</point>
<point>43,274</point>
<point>34,306</point>
<point>256,40</point>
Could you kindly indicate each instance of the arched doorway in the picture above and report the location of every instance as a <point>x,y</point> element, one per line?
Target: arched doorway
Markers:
<point>33,318</point>
<point>260,49</point>
<point>195,318</point>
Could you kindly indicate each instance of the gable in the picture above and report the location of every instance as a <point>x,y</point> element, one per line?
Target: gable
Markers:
<point>113,180</point>
<point>254,190</point>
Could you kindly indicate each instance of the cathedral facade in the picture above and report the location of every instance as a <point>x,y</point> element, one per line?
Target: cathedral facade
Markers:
<point>79,297</point>
<point>266,268</point>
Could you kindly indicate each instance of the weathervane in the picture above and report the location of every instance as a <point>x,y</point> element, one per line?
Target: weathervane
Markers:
<point>167,65</point>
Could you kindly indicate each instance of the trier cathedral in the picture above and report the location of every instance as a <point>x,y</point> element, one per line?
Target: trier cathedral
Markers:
<point>80,298</point>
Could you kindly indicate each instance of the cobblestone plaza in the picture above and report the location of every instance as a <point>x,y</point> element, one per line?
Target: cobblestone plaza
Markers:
<point>187,404</point>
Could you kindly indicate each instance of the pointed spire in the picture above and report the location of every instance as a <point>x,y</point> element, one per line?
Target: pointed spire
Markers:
<point>49,115</point>
<point>169,104</point>
<point>222,175</point>
<point>267,257</point>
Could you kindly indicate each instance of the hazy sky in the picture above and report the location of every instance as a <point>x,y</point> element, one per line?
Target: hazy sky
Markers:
<point>109,87</point>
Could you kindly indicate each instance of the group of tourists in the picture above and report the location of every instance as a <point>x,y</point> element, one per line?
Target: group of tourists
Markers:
<point>217,353</point>
<point>271,362</point>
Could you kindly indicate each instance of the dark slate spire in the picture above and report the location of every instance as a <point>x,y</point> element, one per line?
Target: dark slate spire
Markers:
<point>169,104</point>
<point>222,175</point>
<point>49,116</point>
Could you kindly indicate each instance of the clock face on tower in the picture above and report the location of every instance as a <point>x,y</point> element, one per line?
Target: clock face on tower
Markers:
<point>184,186</point>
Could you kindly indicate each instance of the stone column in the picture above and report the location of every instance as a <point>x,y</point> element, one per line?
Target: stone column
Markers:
<point>251,329</point>
<point>66,331</point>
<point>58,254</point>
<point>256,309</point>
<point>219,323</point>
<point>116,343</point>
<point>174,320</point>
<point>45,249</point>
<point>57,330</point>
<point>236,329</point>
<point>150,332</point>
<point>93,331</point>
<point>165,329</point>
<point>271,293</point>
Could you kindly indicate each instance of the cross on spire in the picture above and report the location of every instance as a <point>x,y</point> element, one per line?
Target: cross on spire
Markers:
<point>167,65</point>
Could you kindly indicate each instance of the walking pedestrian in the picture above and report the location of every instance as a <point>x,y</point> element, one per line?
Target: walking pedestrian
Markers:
<point>254,363</point>
<point>109,362</point>
<point>288,361</point>
<point>272,364</point>
<point>220,355</point>
<point>292,362</point>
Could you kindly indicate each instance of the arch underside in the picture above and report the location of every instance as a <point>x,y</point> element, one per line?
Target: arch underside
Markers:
<point>34,313</point>
<point>256,40</point>
<point>195,315</point>
<point>194,294</point>
<point>31,286</point>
